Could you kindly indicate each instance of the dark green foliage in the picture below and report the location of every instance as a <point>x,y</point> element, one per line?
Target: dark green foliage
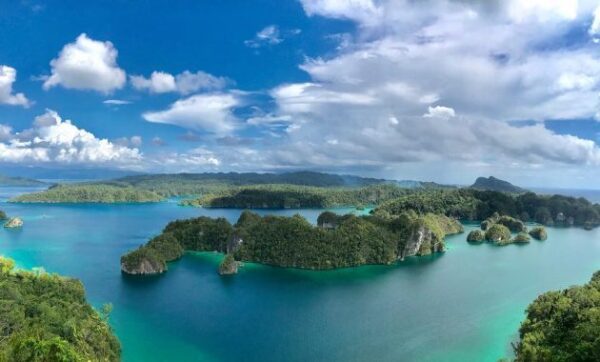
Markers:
<point>46,318</point>
<point>539,233</point>
<point>280,196</point>
<point>521,237</point>
<point>201,234</point>
<point>166,245</point>
<point>74,193</point>
<point>3,215</point>
<point>294,242</point>
<point>494,184</point>
<point>144,260</point>
<point>470,204</point>
<point>476,236</point>
<point>514,225</point>
<point>498,234</point>
<point>563,326</point>
<point>327,219</point>
<point>228,265</point>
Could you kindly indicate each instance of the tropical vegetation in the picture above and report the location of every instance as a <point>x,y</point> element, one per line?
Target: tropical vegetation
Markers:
<point>338,241</point>
<point>563,326</point>
<point>45,317</point>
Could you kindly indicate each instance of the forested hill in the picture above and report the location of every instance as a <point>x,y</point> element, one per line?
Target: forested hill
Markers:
<point>495,184</point>
<point>19,181</point>
<point>302,178</point>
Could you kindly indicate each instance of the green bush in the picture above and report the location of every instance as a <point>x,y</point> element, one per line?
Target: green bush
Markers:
<point>498,234</point>
<point>563,326</point>
<point>521,237</point>
<point>476,236</point>
<point>46,318</point>
<point>539,233</point>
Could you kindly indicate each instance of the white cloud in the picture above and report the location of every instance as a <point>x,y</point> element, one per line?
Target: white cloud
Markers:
<point>440,112</point>
<point>270,35</point>
<point>594,29</point>
<point>5,132</point>
<point>184,83</point>
<point>8,76</point>
<point>364,11</point>
<point>116,102</point>
<point>363,107</point>
<point>87,64</point>
<point>159,82</point>
<point>133,141</point>
<point>211,112</point>
<point>58,141</point>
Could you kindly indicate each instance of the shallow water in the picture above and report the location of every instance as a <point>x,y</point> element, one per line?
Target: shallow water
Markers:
<point>463,305</point>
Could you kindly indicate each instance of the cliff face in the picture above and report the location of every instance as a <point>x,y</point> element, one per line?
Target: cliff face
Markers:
<point>143,261</point>
<point>426,235</point>
<point>144,267</point>
<point>421,241</point>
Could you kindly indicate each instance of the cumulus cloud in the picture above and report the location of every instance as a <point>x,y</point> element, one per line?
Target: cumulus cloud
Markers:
<point>388,99</point>
<point>87,64</point>
<point>54,140</point>
<point>184,83</point>
<point>364,11</point>
<point>439,112</point>
<point>270,35</point>
<point>211,112</point>
<point>133,141</point>
<point>8,76</point>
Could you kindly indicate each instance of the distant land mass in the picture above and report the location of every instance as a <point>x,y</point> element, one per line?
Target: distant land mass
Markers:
<point>19,181</point>
<point>293,189</point>
<point>495,184</point>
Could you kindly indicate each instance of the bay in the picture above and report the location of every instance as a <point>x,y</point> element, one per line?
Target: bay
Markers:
<point>465,304</point>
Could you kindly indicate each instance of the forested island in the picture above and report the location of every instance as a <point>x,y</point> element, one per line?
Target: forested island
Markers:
<point>93,193</point>
<point>19,181</point>
<point>280,196</point>
<point>301,189</point>
<point>45,317</point>
<point>563,325</point>
<point>475,205</point>
<point>336,242</point>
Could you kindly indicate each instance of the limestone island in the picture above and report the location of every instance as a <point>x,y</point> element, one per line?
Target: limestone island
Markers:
<point>499,229</point>
<point>337,241</point>
<point>13,223</point>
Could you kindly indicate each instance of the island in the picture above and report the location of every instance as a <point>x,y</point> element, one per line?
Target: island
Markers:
<point>249,190</point>
<point>19,181</point>
<point>45,317</point>
<point>337,241</point>
<point>562,325</point>
<point>495,184</point>
<point>89,193</point>
<point>474,205</point>
<point>13,223</point>
<point>500,229</point>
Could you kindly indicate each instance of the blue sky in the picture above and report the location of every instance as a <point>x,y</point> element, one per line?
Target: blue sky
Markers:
<point>435,90</point>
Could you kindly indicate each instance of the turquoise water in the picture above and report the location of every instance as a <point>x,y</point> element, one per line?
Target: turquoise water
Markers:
<point>463,305</point>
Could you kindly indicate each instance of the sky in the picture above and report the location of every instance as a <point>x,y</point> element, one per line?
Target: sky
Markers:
<point>433,90</point>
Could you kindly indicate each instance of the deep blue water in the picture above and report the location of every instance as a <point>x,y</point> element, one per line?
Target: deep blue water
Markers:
<point>463,305</point>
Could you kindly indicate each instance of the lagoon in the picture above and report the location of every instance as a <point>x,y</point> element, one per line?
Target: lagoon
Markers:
<point>465,304</point>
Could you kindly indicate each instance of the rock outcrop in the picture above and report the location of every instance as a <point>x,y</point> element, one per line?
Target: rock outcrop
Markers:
<point>14,222</point>
<point>228,266</point>
<point>426,236</point>
<point>143,261</point>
